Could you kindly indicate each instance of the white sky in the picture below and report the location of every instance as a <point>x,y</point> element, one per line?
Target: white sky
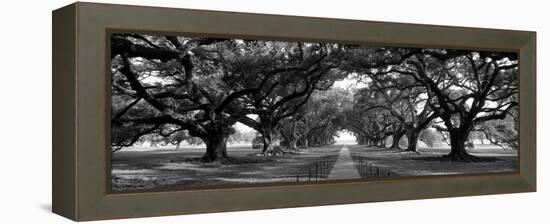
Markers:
<point>348,82</point>
<point>243,128</point>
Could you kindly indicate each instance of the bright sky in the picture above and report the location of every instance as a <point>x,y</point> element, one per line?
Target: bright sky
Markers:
<point>345,137</point>
<point>348,82</point>
<point>243,128</point>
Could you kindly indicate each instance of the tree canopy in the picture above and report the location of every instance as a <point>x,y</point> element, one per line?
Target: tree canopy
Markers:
<point>184,89</point>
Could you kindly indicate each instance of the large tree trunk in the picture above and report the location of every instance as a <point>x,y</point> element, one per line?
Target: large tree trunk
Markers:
<point>458,149</point>
<point>360,140</point>
<point>382,143</point>
<point>312,141</point>
<point>395,139</point>
<point>216,148</point>
<point>412,139</point>
<point>271,143</point>
<point>293,137</point>
<point>375,142</point>
<point>292,144</point>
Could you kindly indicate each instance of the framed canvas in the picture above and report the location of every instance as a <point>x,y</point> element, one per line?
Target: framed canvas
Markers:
<point>203,111</point>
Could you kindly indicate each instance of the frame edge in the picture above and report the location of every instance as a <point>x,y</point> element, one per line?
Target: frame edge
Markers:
<point>94,204</point>
<point>528,94</point>
<point>64,190</point>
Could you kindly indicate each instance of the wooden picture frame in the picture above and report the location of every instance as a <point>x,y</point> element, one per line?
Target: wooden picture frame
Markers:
<point>80,111</point>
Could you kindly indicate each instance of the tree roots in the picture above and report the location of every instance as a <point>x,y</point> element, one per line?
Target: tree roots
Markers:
<point>406,151</point>
<point>465,157</point>
<point>280,152</point>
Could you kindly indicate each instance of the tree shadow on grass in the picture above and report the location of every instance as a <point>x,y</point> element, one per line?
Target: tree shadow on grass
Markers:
<point>371,149</point>
<point>226,161</point>
<point>471,159</point>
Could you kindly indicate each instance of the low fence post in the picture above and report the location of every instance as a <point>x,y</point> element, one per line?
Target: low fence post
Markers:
<point>316,171</point>
<point>367,172</point>
<point>325,174</point>
<point>322,170</point>
<point>361,170</point>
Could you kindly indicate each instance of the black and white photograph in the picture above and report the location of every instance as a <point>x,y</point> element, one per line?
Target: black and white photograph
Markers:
<point>209,112</point>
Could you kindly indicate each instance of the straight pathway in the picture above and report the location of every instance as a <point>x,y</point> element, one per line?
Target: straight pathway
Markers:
<point>344,168</point>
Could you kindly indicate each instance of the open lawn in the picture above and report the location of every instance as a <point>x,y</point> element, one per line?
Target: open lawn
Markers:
<point>145,169</point>
<point>142,168</point>
<point>428,162</point>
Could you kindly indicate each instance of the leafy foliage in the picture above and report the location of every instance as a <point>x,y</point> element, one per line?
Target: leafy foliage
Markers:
<point>172,89</point>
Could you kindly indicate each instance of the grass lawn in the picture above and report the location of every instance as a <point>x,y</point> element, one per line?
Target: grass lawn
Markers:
<point>145,169</point>
<point>427,162</point>
<point>142,168</point>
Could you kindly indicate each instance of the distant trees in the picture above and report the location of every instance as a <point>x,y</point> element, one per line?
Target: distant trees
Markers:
<point>288,74</point>
<point>387,89</point>
<point>242,136</point>
<point>321,118</point>
<point>204,86</point>
<point>406,103</point>
<point>430,137</point>
<point>370,126</point>
<point>462,89</point>
<point>503,133</point>
<point>179,89</point>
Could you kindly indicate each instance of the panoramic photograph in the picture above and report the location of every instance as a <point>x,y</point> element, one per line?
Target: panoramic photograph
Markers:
<point>206,112</point>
